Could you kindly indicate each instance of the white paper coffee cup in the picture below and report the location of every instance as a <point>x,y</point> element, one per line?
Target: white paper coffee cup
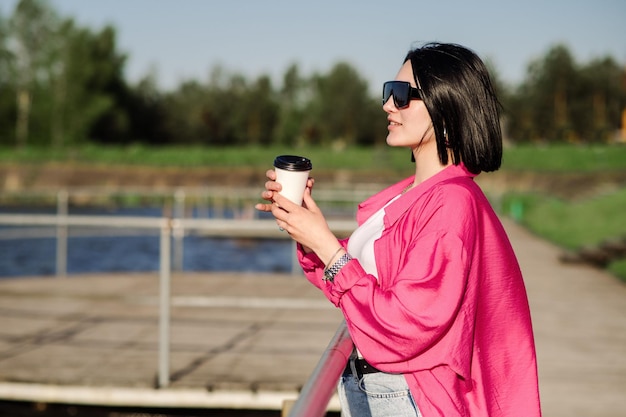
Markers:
<point>292,173</point>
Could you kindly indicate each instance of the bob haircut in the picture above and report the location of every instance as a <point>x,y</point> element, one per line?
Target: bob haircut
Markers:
<point>461,100</point>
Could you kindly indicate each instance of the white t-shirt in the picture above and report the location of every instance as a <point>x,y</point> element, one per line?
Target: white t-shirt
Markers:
<point>361,242</point>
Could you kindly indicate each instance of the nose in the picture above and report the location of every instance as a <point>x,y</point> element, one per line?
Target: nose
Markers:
<point>389,105</point>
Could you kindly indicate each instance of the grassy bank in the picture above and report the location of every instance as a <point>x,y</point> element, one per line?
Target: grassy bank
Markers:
<point>196,156</point>
<point>553,158</point>
<point>573,225</point>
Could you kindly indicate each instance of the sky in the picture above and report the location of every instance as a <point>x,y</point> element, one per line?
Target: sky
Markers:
<point>182,40</point>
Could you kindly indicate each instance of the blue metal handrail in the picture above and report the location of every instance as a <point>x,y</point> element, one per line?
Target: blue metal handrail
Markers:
<point>319,388</point>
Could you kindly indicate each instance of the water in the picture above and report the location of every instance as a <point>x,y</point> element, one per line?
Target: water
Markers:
<point>31,251</point>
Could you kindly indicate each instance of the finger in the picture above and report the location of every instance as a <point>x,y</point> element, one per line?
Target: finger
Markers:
<point>271,174</point>
<point>267,195</point>
<point>309,203</point>
<point>284,203</point>
<point>263,207</point>
<point>273,186</point>
<point>278,212</point>
<point>282,226</point>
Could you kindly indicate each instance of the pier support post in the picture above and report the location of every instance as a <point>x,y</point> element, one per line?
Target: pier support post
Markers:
<point>164,305</point>
<point>62,210</point>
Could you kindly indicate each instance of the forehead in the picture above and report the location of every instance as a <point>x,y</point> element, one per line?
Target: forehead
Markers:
<point>406,73</point>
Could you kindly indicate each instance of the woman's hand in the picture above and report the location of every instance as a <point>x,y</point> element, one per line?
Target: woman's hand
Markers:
<point>305,224</point>
<point>273,188</point>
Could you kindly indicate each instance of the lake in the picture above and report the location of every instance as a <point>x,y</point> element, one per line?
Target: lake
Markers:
<point>31,251</point>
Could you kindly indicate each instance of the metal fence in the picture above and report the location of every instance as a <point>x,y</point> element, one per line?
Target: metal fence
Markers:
<point>318,390</point>
<point>169,229</point>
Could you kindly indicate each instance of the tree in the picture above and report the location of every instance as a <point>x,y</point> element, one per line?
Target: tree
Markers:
<point>228,111</point>
<point>291,99</point>
<point>341,109</point>
<point>106,86</point>
<point>562,101</point>
<point>7,87</point>
<point>147,112</point>
<point>87,88</point>
<point>542,107</point>
<point>32,25</point>
<point>188,120</point>
<point>556,82</point>
<point>598,111</point>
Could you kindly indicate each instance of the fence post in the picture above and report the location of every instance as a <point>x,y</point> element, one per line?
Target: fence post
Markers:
<point>62,210</point>
<point>179,232</point>
<point>295,264</point>
<point>164,305</point>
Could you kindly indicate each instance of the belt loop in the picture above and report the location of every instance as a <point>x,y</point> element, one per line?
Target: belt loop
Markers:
<point>355,372</point>
<point>351,363</point>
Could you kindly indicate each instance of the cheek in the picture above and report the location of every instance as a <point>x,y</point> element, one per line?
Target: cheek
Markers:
<point>418,122</point>
<point>416,127</point>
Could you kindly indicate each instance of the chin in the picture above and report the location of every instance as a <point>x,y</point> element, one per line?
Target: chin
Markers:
<point>390,141</point>
<point>395,144</point>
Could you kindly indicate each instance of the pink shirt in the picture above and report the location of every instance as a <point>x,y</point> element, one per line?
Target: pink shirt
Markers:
<point>449,309</point>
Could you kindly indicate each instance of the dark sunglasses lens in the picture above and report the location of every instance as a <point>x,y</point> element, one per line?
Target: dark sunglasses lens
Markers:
<point>387,90</point>
<point>400,92</point>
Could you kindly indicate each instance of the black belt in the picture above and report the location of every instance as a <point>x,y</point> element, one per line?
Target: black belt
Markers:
<point>362,366</point>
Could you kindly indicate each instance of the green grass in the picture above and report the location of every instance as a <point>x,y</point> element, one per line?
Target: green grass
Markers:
<point>618,268</point>
<point>549,158</point>
<point>354,158</point>
<point>573,225</point>
<point>565,158</point>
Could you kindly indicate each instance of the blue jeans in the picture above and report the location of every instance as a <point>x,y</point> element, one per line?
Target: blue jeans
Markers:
<point>375,395</point>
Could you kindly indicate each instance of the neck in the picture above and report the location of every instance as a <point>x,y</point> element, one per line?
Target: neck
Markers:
<point>427,165</point>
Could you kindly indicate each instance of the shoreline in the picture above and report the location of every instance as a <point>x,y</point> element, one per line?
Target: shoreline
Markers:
<point>49,177</point>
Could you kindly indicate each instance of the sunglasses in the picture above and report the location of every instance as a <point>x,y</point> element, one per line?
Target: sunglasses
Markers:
<point>402,93</point>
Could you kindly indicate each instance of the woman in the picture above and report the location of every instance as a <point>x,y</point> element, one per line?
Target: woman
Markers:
<point>429,286</point>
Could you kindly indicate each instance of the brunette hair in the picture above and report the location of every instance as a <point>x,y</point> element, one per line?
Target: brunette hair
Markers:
<point>461,100</point>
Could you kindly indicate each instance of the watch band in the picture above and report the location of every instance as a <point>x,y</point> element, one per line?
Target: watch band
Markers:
<point>331,271</point>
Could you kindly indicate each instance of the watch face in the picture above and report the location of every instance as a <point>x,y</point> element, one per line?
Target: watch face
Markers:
<point>328,274</point>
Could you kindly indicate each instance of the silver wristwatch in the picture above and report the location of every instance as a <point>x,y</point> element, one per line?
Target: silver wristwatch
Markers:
<point>331,271</point>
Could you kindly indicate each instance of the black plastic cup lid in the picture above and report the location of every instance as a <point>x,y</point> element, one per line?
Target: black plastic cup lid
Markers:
<point>293,163</point>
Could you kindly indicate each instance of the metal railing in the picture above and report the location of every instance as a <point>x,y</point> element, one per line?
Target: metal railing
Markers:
<point>319,388</point>
<point>169,228</point>
<point>62,222</point>
<point>211,202</point>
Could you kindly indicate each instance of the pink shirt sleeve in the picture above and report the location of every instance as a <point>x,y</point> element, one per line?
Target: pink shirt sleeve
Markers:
<point>396,323</point>
<point>399,323</point>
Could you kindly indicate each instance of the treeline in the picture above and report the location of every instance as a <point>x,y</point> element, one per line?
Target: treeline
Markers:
<point>63,84</point>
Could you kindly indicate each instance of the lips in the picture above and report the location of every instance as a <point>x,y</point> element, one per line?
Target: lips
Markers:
<point>393,122</point>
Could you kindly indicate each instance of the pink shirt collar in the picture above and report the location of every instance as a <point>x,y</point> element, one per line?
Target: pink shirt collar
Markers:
<point>401,205</point>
